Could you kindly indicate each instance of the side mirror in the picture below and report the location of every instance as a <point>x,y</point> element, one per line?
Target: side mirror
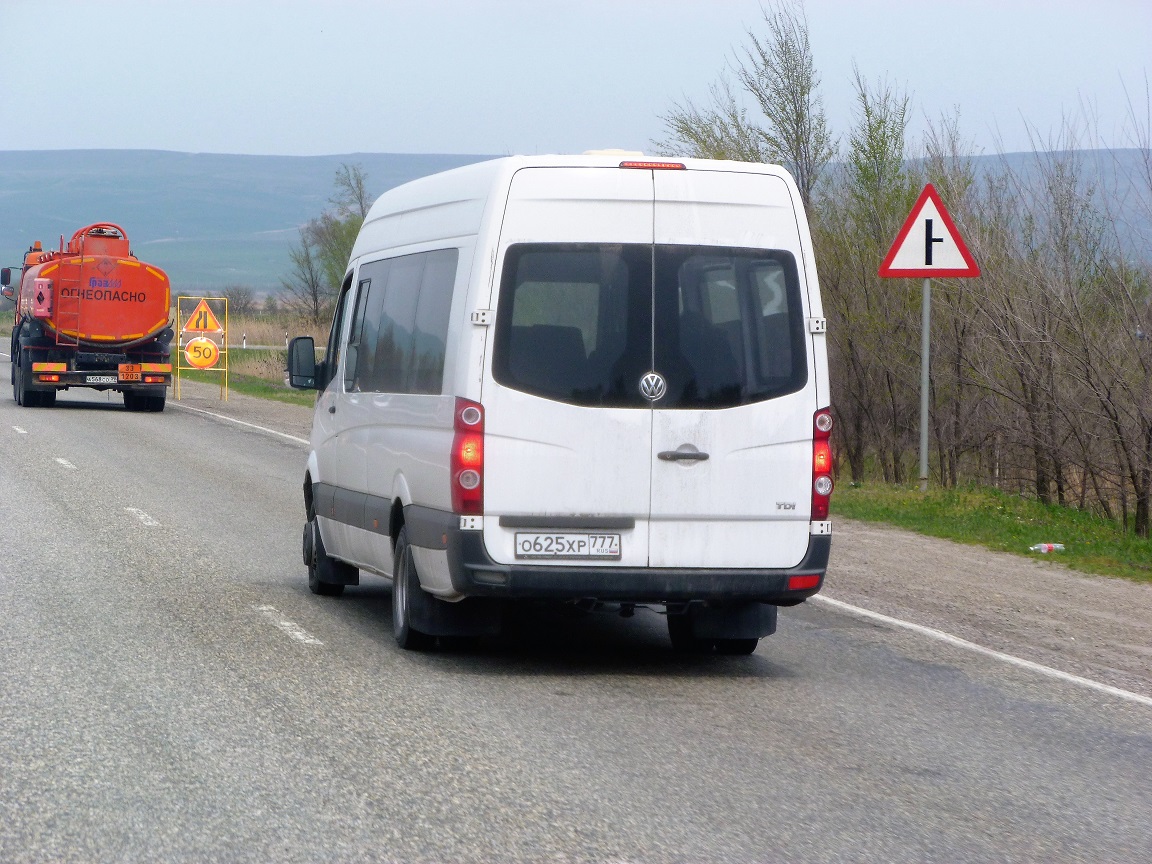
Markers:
<point>302,363</point>
<point>7,291</point>
<point>6,278</point>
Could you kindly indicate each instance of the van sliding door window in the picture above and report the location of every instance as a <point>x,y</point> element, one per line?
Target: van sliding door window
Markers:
<point>575,324</point>
<point>403,327</point>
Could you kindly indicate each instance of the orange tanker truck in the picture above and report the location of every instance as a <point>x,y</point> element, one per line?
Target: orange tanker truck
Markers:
<point>90,315</point>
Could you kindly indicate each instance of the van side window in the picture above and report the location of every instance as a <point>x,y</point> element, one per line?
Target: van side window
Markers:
<point>397,321</point>
<point>403,329</point>
<point>332,355</point>
<point>370,302</point>
<point>351,367</point>
<point>430,337</point>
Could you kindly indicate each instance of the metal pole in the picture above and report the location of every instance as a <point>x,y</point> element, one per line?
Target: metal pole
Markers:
<point>925,331</point>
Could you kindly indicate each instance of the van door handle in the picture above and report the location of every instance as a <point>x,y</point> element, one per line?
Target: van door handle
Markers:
<point>682,455</point>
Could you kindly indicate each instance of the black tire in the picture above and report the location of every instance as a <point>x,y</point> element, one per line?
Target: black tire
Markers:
<point>405,582</point>
<point>24,396</point>
<point>736,647</point>
<point>325,575</point>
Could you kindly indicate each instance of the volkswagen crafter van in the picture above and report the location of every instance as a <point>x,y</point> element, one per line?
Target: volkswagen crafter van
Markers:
<point>579,379</point>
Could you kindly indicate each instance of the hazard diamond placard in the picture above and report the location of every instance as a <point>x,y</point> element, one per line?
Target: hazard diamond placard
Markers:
<point>203,320</point>
<point>928,245</point>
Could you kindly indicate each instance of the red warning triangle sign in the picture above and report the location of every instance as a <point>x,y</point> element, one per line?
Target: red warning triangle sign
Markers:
<point>202,320</point>
<point>928,245</point>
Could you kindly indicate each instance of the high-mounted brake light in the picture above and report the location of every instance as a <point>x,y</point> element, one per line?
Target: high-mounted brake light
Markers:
<point>467,461</point>
<point>821,464</point>
<point>656,166</point>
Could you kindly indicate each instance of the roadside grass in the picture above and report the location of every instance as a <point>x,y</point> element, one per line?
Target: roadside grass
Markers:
<point>1002,522</point>
<point>253,373</point>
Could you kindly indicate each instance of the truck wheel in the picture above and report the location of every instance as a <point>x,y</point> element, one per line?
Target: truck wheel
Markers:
<point>325,575</point>
<point>24,396</point>
<point>406,592</point>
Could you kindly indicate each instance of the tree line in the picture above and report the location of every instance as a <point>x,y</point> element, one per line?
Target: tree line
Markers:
<point>1040,368</point>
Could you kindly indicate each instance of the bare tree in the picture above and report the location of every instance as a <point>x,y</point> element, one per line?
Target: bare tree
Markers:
<point>351,197</point>
<point>777,71</point>
<point>241,299</point>
<point>305,291</point>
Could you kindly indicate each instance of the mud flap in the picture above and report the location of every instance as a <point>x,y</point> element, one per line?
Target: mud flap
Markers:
<point>732,621</point>
<point>473,616</point>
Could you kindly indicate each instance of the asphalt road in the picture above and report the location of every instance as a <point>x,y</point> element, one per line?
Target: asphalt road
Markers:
<point>171,691</point>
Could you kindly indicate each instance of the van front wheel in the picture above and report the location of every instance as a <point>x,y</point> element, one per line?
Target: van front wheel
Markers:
<point>406,592</point>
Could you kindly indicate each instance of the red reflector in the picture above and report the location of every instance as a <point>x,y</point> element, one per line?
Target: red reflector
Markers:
<point>49,378</point>
<point>153,379</point>
<point>656,166</point>
<point>802,583</point>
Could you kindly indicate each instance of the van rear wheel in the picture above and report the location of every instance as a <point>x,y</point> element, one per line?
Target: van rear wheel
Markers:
<point>406,592</point>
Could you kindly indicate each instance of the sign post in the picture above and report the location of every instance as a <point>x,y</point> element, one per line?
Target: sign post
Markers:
<point>928,245</point>
<point>197,350</point>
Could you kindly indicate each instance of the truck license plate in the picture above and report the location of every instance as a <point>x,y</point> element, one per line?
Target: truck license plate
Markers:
<point>130,371</point>
<point>99,379</point>
<point>567,545</point>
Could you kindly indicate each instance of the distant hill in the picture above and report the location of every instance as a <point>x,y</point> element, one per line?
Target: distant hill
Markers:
<point>208,219</point>
<point>213,220</point>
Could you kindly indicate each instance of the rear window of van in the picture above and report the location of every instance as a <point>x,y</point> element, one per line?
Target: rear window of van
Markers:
<point>583,323</point>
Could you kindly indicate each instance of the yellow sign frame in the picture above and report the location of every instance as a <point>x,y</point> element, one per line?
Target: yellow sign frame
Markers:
<point>187,332</point>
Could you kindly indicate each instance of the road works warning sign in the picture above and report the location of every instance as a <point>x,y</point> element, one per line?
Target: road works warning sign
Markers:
<point>928,245</point>
<point>203,320</point>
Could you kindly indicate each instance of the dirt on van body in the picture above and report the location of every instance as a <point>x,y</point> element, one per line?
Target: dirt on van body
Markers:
<point>1030,607</point>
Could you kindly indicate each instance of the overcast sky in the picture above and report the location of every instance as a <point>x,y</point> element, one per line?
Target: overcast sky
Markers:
<point>530,76</point>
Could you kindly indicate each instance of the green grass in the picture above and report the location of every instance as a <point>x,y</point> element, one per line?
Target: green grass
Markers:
<point>1006,523</point>
<point>252,385</point>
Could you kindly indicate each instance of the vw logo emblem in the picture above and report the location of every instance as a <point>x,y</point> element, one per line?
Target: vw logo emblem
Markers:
<point>653,386</point>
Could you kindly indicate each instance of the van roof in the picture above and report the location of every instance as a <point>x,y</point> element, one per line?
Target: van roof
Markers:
<point>460,195</point>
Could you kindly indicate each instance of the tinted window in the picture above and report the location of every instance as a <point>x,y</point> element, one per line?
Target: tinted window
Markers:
<point>401,327</point>
<point>575,323</point>
<point>397,321</point>
<point>332,355</point>
<point>430,336</point>
<point>351,368</point>
<point>367,331</point>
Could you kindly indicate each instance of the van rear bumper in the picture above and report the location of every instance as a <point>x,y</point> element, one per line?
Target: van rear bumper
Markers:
<point>475,574</point>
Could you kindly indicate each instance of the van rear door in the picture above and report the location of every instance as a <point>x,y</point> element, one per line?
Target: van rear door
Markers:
<point>567,441</point>
<point>732,439</point>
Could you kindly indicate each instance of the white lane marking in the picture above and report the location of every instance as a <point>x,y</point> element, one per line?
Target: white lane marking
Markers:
<point>21,431</point>
<point>142,516</point>
<point>65,463</point>
<point>290,627</point>
<point>941,636</point>
<point>240,422</point>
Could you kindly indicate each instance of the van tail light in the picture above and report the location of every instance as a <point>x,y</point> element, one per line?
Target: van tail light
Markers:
<point>655,166</point>
<point>468,458</point>
<point>821,464</point>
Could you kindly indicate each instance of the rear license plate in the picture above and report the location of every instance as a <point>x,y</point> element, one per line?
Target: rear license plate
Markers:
<point>100,379</point>
<point>130,371</point>
<point>567,545</point>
